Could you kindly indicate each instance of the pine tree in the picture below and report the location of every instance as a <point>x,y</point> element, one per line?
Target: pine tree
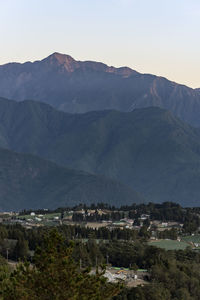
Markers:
<point>21,249</point>
<point>55,276</point>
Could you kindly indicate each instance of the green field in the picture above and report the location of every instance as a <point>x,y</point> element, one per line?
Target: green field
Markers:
<point>45,216</point>
<point>47,219</point>
<point>191,238</point>
<point>170,244</point>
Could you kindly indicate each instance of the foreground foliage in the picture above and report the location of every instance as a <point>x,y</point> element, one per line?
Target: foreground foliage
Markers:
<point>55,275</point>
<point>172,275</point>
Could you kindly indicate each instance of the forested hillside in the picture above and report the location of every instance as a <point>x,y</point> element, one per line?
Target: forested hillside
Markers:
<point>148,149</point>
<point>28,181</point>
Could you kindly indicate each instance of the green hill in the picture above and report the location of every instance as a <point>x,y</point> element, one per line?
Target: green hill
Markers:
<point>27,181</point>
<point>148,149</point>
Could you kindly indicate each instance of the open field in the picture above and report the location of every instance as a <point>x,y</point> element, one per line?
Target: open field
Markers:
<point>50,219</point>
<point>170,244</point>
<point>45,216</point>
<point>191,238</point>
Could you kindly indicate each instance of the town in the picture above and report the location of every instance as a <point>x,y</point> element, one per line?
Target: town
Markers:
<point>166,225</point>
<point>127,240</point>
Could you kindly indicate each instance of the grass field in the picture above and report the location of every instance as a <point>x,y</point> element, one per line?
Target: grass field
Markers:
<point>169,244</point>
<point>46,216</point>
<point>191,238</point>
<point>47,219</point>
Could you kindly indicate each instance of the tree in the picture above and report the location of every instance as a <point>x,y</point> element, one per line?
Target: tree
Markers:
<point>55,275</point>
<point>4,269</point>
<point>21,249</point>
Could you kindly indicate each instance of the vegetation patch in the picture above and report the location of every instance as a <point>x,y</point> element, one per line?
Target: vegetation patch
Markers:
<point>192,238</point>
<point>170,244</point>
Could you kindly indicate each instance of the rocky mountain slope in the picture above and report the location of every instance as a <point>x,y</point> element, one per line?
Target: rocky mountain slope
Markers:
<point>77,87</point>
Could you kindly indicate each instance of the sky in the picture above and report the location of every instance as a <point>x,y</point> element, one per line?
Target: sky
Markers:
<point>160,37</point>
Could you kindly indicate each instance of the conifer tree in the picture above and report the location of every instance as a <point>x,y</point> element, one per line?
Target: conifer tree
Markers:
<point>55,276</point>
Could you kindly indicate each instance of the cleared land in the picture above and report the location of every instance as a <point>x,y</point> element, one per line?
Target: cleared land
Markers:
<point>192,238</point>
<point>45,216</point>
<point>170,244</point>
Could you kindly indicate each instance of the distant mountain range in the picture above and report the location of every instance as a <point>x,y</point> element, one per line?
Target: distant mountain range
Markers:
<point>28,181</point>
<point>147,149</point>
<point>79,87</point>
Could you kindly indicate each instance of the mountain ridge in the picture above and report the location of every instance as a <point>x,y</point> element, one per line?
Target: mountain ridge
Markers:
<point>148,149</point>
<point>77,87</point>
<point>70,64</point>
<point>27,181</point>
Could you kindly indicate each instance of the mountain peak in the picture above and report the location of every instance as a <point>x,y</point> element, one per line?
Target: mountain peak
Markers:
<point>70,65</point>
<point>59,59</point>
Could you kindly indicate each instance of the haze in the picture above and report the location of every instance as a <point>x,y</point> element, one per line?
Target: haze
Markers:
<point>158,37</point>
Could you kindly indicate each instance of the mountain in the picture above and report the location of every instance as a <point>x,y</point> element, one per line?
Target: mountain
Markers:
<point>78,87</point>
<point>27,181</point>
<point>198,91</point>
<point>147,149</point>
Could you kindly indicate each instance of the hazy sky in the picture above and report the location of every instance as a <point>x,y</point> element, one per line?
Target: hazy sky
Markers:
<point>151,36</point>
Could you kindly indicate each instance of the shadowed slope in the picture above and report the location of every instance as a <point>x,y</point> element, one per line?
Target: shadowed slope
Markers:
<point>148,149</point>
<point>27,181</point>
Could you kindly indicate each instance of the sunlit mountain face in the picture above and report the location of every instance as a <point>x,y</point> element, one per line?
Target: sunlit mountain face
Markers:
<point>78,87</point>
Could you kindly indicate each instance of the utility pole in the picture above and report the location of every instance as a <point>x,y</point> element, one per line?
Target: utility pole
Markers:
<point>7,253</point>
<point>107,259</point>
<point>96,261</point>
<point>80,263</point>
